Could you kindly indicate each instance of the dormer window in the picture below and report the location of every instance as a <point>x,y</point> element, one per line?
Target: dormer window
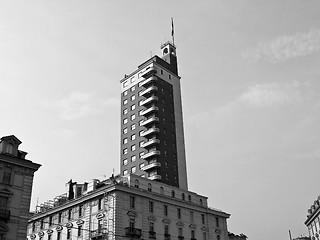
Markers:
<point>9,148</point>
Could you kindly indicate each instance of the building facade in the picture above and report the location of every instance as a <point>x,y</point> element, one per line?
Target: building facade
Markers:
<point>16,179</point>
<point>129,207</point>
<point>152,137</point>
<point>313,219</point>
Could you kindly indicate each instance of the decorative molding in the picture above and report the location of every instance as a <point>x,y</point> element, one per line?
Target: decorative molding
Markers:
<point>80,222</point>
<point>217,231</point>
<point>69,225</point>
<point>204,228</point>
<point>49,231</point>
<point>32,236</point>
<point>132,213</point>
<point>152,218</point>
<point>180,224</point>
<point>192,226</point>
<point>100,215</point>
<point>41,234</point>
<point>166,221</point>
<point>59,228</point>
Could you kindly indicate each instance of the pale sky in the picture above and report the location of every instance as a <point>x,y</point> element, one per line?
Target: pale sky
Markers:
<point>250,90</point>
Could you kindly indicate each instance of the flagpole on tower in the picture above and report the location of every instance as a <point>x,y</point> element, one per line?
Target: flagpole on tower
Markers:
<point>172,31</point>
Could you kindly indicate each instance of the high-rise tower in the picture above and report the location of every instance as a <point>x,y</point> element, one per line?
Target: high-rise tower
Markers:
<point>152,138</point>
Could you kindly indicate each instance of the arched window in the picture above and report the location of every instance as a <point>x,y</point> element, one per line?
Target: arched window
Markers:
<point>173,194</point>
<point>149,187</point>
<point>183,196</point>
<point>9,148</point>
<point>136,183</point>
<point>189,198</point>
<point>161,190</point>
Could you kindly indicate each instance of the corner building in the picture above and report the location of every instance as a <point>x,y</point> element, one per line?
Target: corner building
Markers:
<point>16,180</point>
<point>152,138</point>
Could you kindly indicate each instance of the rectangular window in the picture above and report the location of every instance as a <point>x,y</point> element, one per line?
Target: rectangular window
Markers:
<point>165,210</point>
<point>125,111</point>
<point>125,121</point>
<point>58,235</point>
<point>125,162</point>
<point>132,79</point>
<point>100,203</point>
<point>191,216</point>
<point>192,234</point>
<point>41,224</point>
<point>217,222</point>
<point>80,210</point>
<point>125,101</point>
<point>133,158</point>
<point>133,137</point>
<point>49,237</point>
<point>125,130</point>
<point>133,88</point>
<point>6,179</point>
<point>69,214</point>
<point>180,232</point>
<point>140,112</point>
<point>50,221</point>
<point>68,233</point>
<point>140,122</point>
<point>59,217</point>
<point>133,117</point>
<point>125,83</point>
<point>125,140</point>
<point>202,219</point>
<point>125,151</point>
<point>131,223</point>
<point>141,143</point>
<point>140,133</point>
<point>140,93</point>
<point>125,93</point>
<point>133,107</point>
<point>151,207</point>
<point>133,127</point>
<point>133,169</point>
<point>141,154</point>
<point>133,147</point>
<point>132,202</point>
<point>204,236</point>
<point>140,102</point>
<point>125,172</point>
<point>79,231</point>
<point>133,97</point>
<point>179,213</point>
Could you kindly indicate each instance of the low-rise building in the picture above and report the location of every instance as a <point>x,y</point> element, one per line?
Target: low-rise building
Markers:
<point>16,179</point>
<point>313,219</point>
<point>128,207</point>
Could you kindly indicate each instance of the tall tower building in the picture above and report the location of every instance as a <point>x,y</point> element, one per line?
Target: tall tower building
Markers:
<point>152,138</point>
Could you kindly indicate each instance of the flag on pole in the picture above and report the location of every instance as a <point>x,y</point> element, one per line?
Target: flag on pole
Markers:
<point>172,28</point>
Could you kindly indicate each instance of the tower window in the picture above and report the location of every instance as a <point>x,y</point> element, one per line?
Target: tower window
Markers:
<point>125,130</point>
<point>125,162</point>
<point>132,202</point>
<point>178,213</point>
<point>125,83</point>
<point>9,148</point>
<point>202,219</point>
<point>133,97</point>
<point>132,79</point>
<point>125,121</point>
<point>133,127</point>
<point>133,169</point>
<point>133,88</point>
<point>165,210</point>
<point>133,137</point>
<point>133,158</point>
<point>125,172</point>
<point>125,101</point>
<point>149,187</point>
<point>125,93</point>
<point>133,117</point>
<point>151,207</point>
<point>141,154</point>
<point>6,179</point>
<point>125,140</point>
<point>125,111</point>
<point>133,107</point>
<point>133,147</point>
<point>141,166</point>
<point>125,151</point>
<point>169,76</point>
<point>183,196</point>
<point>173,194</point>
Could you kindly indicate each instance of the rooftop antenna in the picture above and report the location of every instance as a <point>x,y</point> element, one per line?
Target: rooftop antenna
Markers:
<point>172,31</point>
<point>290,235</point>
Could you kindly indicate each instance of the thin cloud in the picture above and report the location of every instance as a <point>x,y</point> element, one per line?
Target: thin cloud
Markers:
<point>82,104</point>
<point>285,47</point>
<point>272,94</point>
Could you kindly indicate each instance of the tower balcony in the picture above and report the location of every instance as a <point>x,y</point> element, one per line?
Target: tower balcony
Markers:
<point>149,90</point>
<point>149,131</point>
<point>151,153</point>
<point>150,142</point>
<point>149,100</point>
<point>150,120</point>
<point>155,177</point>
<point>149,71</point>
<point>149,110</point>
<point>149,80</point>
<point>151,166</point>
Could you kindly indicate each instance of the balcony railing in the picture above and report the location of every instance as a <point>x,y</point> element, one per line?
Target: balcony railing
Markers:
<point>150,70</point>
<point>5,214</point>
<point>149,100</point>
<point>133,232</point>
<point>155,177</point>
<point>149,80</point>
<point>150,142</point>
<point>149,90</point>
<point>151,165</point>
<point>149,120</point>
<point>151,153</point>
<point>149,110</point>
<point>149,131</point>
<point>99,234</point>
